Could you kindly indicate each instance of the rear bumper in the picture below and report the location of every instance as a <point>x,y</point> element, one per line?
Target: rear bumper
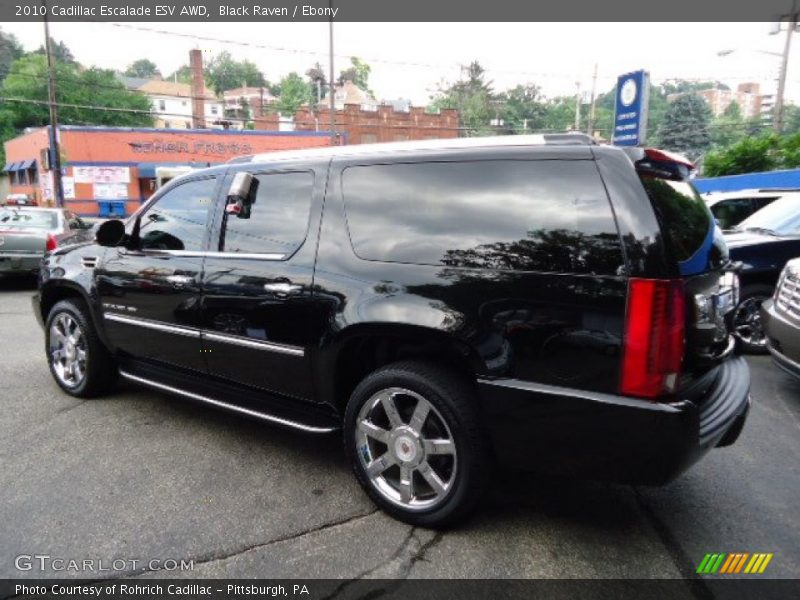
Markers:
<point>19,263</point>
<point>603,436</point>
<point>783,339</point>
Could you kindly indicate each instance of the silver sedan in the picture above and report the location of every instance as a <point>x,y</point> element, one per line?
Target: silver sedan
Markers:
<point>26,233</point>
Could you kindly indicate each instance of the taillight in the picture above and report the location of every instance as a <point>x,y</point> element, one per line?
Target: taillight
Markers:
<point>52,243</point>
<point>654,344</point>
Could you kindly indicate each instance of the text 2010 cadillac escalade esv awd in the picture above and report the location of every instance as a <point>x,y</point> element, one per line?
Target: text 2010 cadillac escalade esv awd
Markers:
<point>538,301</point>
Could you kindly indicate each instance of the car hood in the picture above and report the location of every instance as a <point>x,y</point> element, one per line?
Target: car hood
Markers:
<point>737,239</point>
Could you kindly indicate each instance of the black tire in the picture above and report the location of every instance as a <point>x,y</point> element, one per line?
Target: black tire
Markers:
<point>750,298</point>
<point>454,416</point>
<point>99,373</point>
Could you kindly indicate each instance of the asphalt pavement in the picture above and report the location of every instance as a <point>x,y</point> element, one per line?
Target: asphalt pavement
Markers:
<point>142,476</point>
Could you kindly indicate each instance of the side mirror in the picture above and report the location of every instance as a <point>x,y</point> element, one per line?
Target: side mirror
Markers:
<point>241,195</point>
<point>110,234</point>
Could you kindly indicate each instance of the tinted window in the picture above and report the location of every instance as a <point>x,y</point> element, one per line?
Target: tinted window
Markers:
<point>684,217</point>
<point>22,219</point>
<point>278,217</point>
<point>731,212</point>
<point>178,220</point>
<point>505,214</point>
<point>782,217</point>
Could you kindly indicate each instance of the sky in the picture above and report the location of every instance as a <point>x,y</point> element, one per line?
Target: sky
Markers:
<point>410,60</point>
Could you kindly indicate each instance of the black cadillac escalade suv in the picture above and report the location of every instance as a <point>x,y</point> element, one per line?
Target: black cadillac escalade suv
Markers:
<point>538,301</point>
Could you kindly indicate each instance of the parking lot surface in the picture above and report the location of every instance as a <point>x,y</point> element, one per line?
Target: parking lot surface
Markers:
<point>144,476</point>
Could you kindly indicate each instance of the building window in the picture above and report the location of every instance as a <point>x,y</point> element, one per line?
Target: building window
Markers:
<point>162,105</point>
<point>369,138</point>
<point>22,179</point>
<point>213,109</point>
<point>33,176</point>
<point>166,124</point>
<point>400,137</point>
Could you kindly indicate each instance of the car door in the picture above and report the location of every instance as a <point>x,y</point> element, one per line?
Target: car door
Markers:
<point>150,293</point>
<point>257,298</point>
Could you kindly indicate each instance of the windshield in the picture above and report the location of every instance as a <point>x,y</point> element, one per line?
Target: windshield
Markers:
<point>781,217</point>
<point>28,219</point>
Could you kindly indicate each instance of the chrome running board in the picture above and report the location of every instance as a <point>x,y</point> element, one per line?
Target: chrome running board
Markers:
<point>226,405</point>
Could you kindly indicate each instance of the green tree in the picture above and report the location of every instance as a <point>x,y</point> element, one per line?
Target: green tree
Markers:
<point>10,50</point>
<point>358,73</point>
<point>182,74</point>
<point>749,155</point>
<point>685,127</point>
<point>27,81</point>
<point>143,68</point>
<point>225,73</point>
<point>61,52</point>
<point>729,127</point>
<point>523,108</point>
<point>294,92</point>
<point>473,97</point>
<point>317,80</point>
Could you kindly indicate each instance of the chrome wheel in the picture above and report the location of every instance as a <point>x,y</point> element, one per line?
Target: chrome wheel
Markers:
<point>406,449</point>
<point>68,350</point>
<point>747,321</point>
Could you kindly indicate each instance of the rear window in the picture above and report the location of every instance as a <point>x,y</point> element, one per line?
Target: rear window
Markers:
<point>22,219</point>
<point>684,217</point>
<point>502,214</point>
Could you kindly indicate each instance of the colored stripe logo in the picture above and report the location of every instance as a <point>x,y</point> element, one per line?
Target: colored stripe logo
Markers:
<point>734,563</point>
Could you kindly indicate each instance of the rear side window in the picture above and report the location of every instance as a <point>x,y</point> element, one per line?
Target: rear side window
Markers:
<point>502,214</point>
<point>684,217</point>
<point>732,212</point>
<point>278,218</point>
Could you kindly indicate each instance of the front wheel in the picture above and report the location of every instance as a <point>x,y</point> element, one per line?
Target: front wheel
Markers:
<point>415,444</point>
<point>78,360</point>
<point>746,319</point>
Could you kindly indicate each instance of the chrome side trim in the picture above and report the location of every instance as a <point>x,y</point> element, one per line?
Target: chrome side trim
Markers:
<point>557,390</point>
<point>203,254</point>
<point>251,343</point>
<point>226,405</point>
<point>211,335</point>
<point>148,324</point>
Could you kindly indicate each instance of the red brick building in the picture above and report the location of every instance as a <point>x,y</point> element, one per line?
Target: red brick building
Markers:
<point>383,123</point>
<point>111,170</point>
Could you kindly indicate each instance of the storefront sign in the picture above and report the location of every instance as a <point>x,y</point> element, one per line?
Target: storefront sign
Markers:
<point>204,148</point>
<point>101,174</point>
<point>110,191</point>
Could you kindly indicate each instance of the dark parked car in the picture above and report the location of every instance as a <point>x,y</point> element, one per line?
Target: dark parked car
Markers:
<point>781,318</point>
<point>534,300</point>
<point>26,233</point>
<point>762,243</point>
<point>731,208</point>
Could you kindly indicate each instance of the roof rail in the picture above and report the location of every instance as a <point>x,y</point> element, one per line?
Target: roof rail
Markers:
<point>556,139</point>
<point>569,139</point>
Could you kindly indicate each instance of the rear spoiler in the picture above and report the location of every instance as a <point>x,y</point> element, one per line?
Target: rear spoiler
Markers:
<point>661,163</point>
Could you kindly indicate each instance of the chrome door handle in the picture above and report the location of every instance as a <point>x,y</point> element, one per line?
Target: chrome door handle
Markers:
<point>179,281</point>
<point>283,288</point>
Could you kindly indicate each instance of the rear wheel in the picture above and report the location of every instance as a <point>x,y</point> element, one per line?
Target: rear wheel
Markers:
<point>413,437</point>
<point>78,360</point>
<point>746,319</point>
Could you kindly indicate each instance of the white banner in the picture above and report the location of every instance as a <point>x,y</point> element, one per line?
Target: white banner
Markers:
<point>101,174</point>
<point>110,191</point>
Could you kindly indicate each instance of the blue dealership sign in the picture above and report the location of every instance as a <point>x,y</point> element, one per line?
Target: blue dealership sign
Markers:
<point>630,110</point>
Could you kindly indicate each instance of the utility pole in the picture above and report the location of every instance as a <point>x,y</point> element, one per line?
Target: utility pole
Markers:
<point>577,105</point>
<point>331,100</point>
<point>778,121</point>
<point>55,152</point>
<point>590,127</point>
